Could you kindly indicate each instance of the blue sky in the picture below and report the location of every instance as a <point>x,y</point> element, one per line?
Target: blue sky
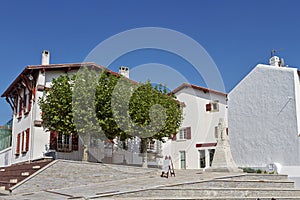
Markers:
<point>236,34</point>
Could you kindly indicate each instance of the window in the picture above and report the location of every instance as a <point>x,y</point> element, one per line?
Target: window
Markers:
<point>27,101</point>
<point>18,144</point>
<point>20,105</point>
<point>213,106</point>
<point>22,145</point>
<point>151,146</point>
<point>185,133</point>
<point>216,132</point>
<point>182,160</point>
<point>63,143</point>
<point>182,133</point>
<point>23,142</point>
<point>211,156</point>
<point>202,162</point>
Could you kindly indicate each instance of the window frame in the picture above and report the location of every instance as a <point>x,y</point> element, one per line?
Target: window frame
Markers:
<point>213,106</point>
<point>184,133</point>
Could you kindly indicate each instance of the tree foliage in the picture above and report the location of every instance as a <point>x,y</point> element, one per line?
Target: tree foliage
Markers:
<point>84,103</point>
<point>110,106</point>
<point>103,105</point>
<point>56,105</point>
<point>148,104</point>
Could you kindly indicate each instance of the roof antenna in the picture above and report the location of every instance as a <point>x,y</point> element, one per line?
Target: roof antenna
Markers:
<point>274,60</point>
<point>273,52</point>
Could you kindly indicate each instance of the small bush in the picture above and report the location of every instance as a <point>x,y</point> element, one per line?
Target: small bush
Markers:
<point>259,171</point>
<point>249,170</point>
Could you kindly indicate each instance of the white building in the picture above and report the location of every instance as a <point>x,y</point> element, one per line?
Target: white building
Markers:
<point>31,142</point>
<point>264,118</point>
<point>193,147</point>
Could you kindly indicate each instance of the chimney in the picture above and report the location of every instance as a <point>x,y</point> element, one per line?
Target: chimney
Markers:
<point>45,57</point>
<point>124,71</point>
<point>274,61</point>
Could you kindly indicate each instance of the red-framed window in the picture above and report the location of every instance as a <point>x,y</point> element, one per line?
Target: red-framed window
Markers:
<point>62,142</point>
<point>22,142</point>
<point>27,139</point>
<point>18,144</point>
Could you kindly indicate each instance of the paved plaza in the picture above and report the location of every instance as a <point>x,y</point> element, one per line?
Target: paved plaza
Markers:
<point>77,180</point>
<point>63,179</point>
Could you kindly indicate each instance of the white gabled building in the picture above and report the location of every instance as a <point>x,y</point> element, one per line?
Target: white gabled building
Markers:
<point>29,140</point>
<point>193,146</point>
<point>264,118</point>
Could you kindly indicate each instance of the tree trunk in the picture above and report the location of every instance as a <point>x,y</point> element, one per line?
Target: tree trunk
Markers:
<point>144,152</point>
<point>85,155</point>
<point>86,142</point>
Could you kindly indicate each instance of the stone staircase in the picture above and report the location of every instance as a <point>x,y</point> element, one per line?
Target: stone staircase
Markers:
<point>14,174</point>
<point>82,180</point>
<point>246,186</point>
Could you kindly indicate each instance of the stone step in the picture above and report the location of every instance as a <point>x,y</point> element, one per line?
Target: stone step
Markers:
<point>14,180</point>
<point>205,198</point>
<point>12,175</point>
<point>16,173</point>
<point>253,176</point>
<point>213,192</point>
<point>3,191</point>
<point>6,184</point>
<point>237,184</point>
<point>24,166</point>
<point>25,174</point>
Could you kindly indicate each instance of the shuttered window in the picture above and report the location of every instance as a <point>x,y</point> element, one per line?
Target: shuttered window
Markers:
<point>185,133</point>
<point>174,137</point>
<point>18,144</point>
<point>212,106</point>
<point>22,142</point>
<point>208,107</point>
<point>63,143</point>
<point>27,139</point>
<point>53,140</point>
<point>74,142</point>
<point>188,133</point>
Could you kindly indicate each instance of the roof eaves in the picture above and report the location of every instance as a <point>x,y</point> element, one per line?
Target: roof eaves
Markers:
<point>46,67</point>
<point>30,68</point>
<point>187,85</point>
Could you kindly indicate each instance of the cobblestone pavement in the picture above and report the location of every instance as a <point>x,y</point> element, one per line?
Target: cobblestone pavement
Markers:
<point>76,180</point>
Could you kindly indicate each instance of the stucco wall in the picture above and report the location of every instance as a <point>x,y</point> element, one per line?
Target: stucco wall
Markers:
<point>202,125</point>
<point>262,117</point>
<point>5,157</point>
<point>39,138</point>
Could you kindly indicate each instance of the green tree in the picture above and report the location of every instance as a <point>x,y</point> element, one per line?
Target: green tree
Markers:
<point>56,106</point>
<point>103,105</point>
<point>146,112</point>
<point>110,106</point>
<point>153,108</point>
<point>84,106</point>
